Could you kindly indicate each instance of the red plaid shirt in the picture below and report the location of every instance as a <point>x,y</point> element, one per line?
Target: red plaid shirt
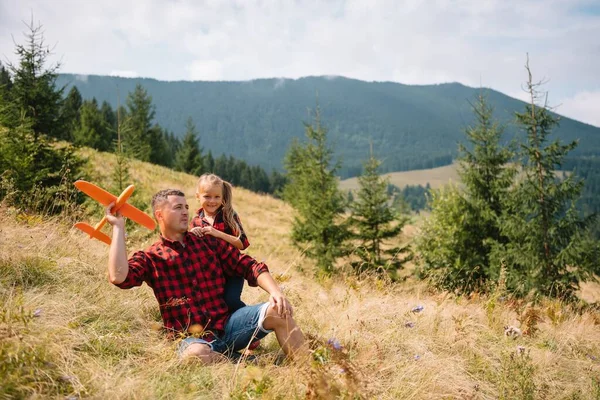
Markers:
<point>219,223</point>
<point>188,280</point>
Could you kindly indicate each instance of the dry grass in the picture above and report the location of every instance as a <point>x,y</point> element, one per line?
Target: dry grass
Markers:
<point>436,177</point>
<point>95,340</point>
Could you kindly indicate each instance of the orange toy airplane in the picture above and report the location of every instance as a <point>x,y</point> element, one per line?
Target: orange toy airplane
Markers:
<point>105,198</point>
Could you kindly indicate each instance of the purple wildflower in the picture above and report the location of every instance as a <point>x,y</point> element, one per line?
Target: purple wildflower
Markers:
<point>333,342</point>
<point>37,313</point>
<point>417,309</point>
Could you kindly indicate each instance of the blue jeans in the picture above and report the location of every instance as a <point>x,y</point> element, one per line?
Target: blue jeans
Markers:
<point>243,326</point>
<point>233,292</point>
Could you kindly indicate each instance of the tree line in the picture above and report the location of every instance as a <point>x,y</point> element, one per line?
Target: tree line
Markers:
<point>512,227</point>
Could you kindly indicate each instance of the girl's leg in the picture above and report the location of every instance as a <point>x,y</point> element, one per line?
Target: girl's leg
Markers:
<point>233,292</point>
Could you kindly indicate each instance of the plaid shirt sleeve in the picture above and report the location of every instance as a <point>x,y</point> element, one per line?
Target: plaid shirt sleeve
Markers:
<point>139,265</point>
<point>236,263</point>
<point>243,238</point>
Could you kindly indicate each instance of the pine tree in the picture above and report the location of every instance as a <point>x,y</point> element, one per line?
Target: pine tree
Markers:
<point>209,162</point>
<point>457,241</point>
<point>120,173</point>
<point>375,222</point>
<point>312,190</point>
<point>140,112</point>
<point>277,182</point>
<point>110,119</point>
<point>8,111</point>
<point>37,176</point>
<point>5,80</point>
<point>93,130</point>
<point>189,157</point>
<point>71,112</point>
<point>173,147</point>
<point>34,91</point>
<point>549,251</point>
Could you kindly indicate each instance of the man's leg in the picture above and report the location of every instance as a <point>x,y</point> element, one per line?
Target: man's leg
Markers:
<point>198,348</point>
<point>288,333</point>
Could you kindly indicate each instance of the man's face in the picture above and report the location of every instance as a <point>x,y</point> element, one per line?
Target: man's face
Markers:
<point>174,214</point>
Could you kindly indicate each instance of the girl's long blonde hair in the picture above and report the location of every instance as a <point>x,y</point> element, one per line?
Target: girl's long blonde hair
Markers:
<point>227,207</point>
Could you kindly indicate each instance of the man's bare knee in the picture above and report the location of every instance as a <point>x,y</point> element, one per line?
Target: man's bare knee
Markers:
<point>199,350</point>
<point>273,320</point>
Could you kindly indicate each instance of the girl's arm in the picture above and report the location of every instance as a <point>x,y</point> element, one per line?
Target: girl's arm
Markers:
<point>232,240</point>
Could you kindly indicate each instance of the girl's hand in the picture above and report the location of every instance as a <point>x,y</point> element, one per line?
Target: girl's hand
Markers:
<point>197,231</point>
<point>209,230</point>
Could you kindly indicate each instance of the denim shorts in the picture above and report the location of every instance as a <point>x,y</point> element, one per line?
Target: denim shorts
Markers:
<point>243,326</point>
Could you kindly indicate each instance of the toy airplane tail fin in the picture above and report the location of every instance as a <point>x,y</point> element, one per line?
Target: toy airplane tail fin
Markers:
<point>92,232</point>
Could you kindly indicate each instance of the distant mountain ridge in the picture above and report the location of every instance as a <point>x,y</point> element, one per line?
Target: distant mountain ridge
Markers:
<point>410,127</point>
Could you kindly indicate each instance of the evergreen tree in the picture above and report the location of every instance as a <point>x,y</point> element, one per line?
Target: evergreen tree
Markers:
<point>277,182</point>
<point>34,89</point>
<point>140,112</point>
<point>189,157</point>
<point>5,80</point>
<point>209,162</point>
<point>374,222</point>
<point>173,147</point>
<point>549,251</point>
<point>221,167</point>
<point>312,190</point>
<point>458,239</point>
<point>159,151</point>
<point>8,111</point>
<point>120,175</point>
<point>93,130</point>
<point>110,119</point>
<point>36,175</point>
<point>71,112</point>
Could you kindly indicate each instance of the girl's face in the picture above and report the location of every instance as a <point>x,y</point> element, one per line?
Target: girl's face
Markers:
<point>210,198</point>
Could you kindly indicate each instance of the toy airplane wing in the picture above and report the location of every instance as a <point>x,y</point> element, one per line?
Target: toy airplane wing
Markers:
<point>105,198</point>
<point>138,216</point>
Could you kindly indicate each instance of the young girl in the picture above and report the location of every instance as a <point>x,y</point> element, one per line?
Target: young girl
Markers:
<point>217,218</point>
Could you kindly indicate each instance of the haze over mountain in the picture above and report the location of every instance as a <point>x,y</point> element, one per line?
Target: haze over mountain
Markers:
<point>410,126</point>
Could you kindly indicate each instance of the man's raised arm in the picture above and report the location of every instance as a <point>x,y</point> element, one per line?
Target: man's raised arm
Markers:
<point>117,255</point>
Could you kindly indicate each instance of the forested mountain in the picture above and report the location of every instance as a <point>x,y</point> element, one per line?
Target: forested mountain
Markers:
<point>411,127</point>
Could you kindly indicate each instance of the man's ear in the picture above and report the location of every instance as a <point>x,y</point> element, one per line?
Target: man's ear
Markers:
<point>158,214</point>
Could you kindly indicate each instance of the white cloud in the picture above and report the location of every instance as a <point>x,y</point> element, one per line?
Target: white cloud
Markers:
<point>584,106</point>
<point>409,41</point>
<point>205,70</point>
<point>279,83</point>
<point>124,73</point>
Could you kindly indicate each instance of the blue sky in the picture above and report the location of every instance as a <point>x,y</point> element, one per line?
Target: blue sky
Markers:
<point>476,43</point>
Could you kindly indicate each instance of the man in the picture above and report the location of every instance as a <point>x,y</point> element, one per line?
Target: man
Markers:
<point>187,274</point>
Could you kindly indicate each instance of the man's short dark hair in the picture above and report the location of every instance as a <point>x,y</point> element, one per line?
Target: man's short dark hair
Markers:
<point>162,196</point>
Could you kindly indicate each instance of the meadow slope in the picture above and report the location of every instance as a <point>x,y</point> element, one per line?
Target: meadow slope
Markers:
<point>65,332</point>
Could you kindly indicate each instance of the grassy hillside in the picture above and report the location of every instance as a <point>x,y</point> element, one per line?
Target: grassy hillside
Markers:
<point>436,177</point>
<point>66,332</point>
